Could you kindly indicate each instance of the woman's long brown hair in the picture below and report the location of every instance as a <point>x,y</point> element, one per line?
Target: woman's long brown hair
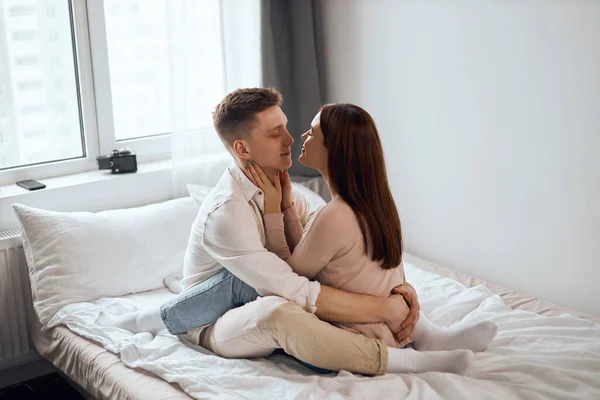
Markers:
<point>357,173</point>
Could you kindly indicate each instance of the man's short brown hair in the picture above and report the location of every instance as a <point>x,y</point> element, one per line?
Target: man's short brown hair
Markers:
<point>235,115</point>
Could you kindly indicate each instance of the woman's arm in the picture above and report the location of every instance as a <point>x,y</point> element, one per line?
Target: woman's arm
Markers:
<point>283,231</point>
<point>337,305</point>
<point>276,240</point>
<point>292,227</point>
<point>312,254</point>
<point>311,261</point>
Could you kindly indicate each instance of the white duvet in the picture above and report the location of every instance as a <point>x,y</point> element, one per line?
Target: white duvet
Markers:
<point>533,357</point>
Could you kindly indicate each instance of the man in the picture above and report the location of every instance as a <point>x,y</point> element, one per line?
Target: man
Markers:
<point>227,267</point>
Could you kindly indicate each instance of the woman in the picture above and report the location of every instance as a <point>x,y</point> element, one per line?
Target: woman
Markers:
<point>353,243</point>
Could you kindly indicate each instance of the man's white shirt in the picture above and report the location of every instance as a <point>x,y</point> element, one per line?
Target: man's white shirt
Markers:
<point>229,232</point>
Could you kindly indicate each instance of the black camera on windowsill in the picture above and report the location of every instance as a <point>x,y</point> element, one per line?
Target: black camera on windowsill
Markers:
<point>119,161</point>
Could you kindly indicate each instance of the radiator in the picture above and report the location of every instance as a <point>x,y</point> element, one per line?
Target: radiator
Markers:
<point>16,310</point>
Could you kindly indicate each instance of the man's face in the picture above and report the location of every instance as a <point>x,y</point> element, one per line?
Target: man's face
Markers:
<point>271,144</point>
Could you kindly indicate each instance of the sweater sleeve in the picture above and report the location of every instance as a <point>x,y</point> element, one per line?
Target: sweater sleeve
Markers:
<point>292,227</point>
<point>323,238</point>
<point>276,239</point>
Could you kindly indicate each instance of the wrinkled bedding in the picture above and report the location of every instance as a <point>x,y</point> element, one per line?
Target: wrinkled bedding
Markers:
<point>541,351</point>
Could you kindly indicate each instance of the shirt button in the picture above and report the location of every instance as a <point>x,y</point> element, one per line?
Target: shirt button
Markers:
<point>260,193</point>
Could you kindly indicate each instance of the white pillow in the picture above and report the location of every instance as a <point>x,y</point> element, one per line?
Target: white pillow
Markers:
<point>314,200</point>
<point>199,193</point>
<point>83,256</point>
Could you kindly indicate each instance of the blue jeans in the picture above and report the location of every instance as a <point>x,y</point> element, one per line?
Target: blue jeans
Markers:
<point>205,302</point>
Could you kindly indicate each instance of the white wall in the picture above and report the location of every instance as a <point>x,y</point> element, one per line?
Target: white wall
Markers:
<point>490,117</point>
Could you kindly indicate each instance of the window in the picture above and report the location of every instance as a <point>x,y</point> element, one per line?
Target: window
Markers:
<point>138,56</point>
<point>33,114</point>
<point>23,35</point>
<point>134,8</point>
<point>28,85</point>
<point>3,115</point>
<point>34,133</point>
<point>26,60</point>
<point>56,61</point>
<point>32,109</point>
<point>65,130</point>
<point>80,78</point>
<point>61,109</point>
<point>20,11</point>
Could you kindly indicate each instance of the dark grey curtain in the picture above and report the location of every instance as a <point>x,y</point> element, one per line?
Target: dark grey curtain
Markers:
<point>292,63</point>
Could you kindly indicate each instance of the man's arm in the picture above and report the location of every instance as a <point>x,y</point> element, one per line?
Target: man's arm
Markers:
<point>339,306</point>
<point>331,301</point>
<point>409,294</point>
<point>232,237</point>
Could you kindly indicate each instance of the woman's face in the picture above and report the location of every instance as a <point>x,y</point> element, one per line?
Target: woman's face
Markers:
<point>314,152</point>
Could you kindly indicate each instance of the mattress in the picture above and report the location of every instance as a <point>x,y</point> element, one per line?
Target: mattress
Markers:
<point>102,374</point>
<point>97,370</point>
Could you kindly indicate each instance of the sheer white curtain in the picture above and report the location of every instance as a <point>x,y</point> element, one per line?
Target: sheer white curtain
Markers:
<point>214,47</point>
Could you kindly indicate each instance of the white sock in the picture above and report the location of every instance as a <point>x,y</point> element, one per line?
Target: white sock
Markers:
<point>407,360</point>
<point>173,282</point>
<point>136,322</point>
<point>475,337</point>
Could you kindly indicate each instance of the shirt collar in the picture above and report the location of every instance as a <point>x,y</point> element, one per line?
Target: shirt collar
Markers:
<point>249,191</point>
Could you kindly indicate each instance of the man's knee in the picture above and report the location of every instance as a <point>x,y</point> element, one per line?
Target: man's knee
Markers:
<point>242,293</point>
<point>276,311</point>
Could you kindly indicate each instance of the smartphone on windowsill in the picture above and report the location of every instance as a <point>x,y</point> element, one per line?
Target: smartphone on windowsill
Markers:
<point>31,184</point>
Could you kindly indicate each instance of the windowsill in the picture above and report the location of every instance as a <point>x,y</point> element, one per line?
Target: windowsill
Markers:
<point>14,191</point>
<point>96,190</point>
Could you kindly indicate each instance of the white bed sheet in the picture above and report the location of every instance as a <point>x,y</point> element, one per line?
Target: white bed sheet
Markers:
<point>533,356</point>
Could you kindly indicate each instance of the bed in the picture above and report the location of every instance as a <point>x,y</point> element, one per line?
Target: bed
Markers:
<point>541,351</point>
<point>81,264</point>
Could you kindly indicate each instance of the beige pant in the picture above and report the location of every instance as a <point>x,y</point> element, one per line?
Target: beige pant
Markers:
<point>260,327</point>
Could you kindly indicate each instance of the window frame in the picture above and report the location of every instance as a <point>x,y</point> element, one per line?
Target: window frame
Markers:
<point>147,148</point>
<point>86,104</point>
<point>95,103</point>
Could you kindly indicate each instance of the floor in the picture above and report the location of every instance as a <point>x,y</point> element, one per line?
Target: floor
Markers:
<point>51,386</point>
